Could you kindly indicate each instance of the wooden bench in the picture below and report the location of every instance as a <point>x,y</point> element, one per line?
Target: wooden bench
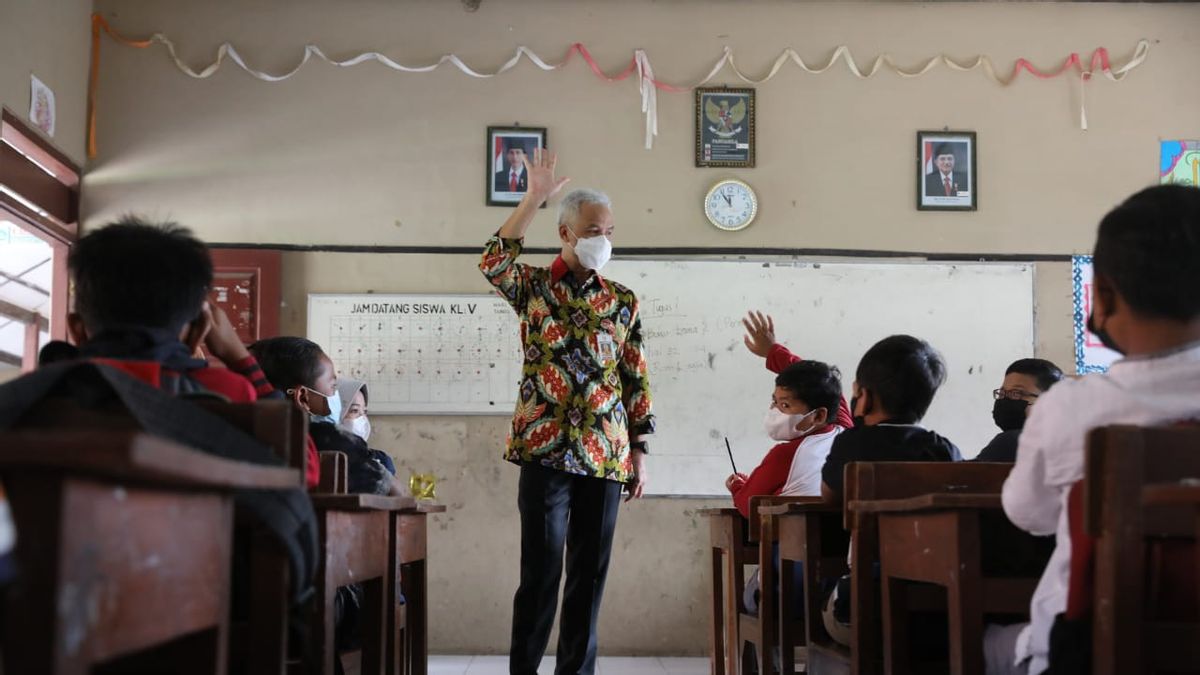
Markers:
<point>124,547</point>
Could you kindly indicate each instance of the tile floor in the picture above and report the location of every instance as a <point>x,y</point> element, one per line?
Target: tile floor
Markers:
<point>607,665</point>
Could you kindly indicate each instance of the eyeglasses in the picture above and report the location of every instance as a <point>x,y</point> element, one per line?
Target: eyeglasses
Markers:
<point>1014,394</point>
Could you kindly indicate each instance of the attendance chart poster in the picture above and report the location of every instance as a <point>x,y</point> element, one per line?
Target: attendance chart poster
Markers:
<point>1090,355</point>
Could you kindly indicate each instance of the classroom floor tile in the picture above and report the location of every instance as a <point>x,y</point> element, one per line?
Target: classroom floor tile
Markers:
<point>605,665</point>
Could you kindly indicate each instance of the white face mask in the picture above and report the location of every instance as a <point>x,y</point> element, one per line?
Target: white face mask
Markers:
<point>781,427</point>
<point>593,252</point>
<point>361,427</point>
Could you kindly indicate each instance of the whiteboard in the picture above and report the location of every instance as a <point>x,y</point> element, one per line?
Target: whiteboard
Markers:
<point>423,354</point>
<point>707,385</point>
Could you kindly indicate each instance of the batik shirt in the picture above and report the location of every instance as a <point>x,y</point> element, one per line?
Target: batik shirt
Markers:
<point>584,386</point>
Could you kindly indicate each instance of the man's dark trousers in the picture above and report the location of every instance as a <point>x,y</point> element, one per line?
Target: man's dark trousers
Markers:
<point>556,508</point>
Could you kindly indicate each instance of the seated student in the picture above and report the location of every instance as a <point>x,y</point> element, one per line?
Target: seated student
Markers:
<point>140,294</point>
<point>300,369</point>
<point>1145,305</point>
<point>893,387</point>
<point>799,420</point>
<point>1024,381</point>
<point>354,417</point>
<point>140,314</point>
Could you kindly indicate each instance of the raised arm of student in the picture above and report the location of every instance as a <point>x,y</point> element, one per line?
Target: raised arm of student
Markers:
<point>499,263</point>
<point>760,340</point>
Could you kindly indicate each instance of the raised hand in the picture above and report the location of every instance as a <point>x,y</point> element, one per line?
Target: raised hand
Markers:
<point>222,339</point>
<point>542,183</point>
<point>760,333</point>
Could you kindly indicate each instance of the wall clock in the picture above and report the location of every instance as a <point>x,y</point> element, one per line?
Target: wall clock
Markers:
<point>731,205</point>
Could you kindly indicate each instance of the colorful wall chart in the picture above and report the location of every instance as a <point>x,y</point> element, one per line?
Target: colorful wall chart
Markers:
<point>1179,163</point>
<point>1090,355</point>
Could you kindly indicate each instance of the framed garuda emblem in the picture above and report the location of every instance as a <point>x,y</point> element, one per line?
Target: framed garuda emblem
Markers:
<point>725,127</point>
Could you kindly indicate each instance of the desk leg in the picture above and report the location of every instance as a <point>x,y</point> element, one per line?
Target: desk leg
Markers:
<point>716,609</point>
<point>895,624</point>
<point>733,604</point>
<point>965,598</point>
<point>416,634</point>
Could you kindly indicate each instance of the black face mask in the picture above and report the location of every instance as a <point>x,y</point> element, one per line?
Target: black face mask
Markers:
<point>858,419</point>
<point>1009,414</point>
<point>1105,338</point>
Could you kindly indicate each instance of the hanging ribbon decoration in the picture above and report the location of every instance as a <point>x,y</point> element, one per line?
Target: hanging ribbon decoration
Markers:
<point>648,85</point>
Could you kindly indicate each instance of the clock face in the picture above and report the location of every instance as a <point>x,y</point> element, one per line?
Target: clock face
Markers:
<point>731,205</point>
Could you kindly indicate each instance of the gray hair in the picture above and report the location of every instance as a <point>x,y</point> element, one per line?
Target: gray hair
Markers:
<point>568,209</point>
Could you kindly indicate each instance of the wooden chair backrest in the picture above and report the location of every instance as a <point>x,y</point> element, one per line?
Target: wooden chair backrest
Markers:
<point>274,423</point>
<point>1128,635</point>
<point>898,480</point>
<point>759,501</point>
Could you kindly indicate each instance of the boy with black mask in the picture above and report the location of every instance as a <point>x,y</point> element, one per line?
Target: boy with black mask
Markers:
<point>1024,381</point>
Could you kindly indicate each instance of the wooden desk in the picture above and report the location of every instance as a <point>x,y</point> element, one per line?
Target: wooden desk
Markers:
<point>935,538</point>
<point>729,551</point>
<point>408,654</point>
<point>125,549</point>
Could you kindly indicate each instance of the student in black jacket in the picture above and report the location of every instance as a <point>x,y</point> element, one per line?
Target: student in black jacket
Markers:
<point>894,385</point>
<point>1024,381</point>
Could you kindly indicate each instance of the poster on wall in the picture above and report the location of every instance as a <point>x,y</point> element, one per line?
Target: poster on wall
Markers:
<point>1091,356</point>
<point>41,106</point>
<point>946,176</point>
<point>1179,163</point>
<point>725,128</point>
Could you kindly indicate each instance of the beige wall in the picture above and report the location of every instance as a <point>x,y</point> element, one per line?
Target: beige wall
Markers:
<point>50,39</point>
<point>365,156</point>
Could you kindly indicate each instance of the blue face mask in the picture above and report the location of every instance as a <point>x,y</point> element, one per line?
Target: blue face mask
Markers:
<point>335,407</point>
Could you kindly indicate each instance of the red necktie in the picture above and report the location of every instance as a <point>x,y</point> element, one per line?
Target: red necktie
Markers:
<point>947,182</point>
<point>512,182</point>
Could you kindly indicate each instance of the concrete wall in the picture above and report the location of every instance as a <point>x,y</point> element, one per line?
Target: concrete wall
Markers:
<point>50,39</point>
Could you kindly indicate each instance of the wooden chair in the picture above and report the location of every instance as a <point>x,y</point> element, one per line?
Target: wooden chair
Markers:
<point>940,539</point>
<point>125,542</point>
<point>810,535</point>
<point>763,629</point>
<point>1131,508</point>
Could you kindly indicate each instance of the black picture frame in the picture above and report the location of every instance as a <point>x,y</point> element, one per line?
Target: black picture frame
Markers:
<point>499,140</point>
<point>726,140</point>
<point>963,176</point>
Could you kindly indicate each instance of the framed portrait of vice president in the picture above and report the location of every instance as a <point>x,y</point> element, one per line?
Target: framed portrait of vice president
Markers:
<point>947,179</point>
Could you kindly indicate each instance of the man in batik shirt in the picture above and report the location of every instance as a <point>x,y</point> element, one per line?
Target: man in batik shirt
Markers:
<point>582,418</point>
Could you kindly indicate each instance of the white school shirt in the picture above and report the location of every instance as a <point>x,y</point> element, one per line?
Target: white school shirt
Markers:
<point>804,478</point>
<point>1149,390</point>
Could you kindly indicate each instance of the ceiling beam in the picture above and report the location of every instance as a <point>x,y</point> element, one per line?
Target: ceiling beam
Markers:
<point>11,311</point>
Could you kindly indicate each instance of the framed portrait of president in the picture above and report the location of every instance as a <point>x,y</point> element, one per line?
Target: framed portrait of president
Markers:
<point>507,147</point>
<point>947,179</point>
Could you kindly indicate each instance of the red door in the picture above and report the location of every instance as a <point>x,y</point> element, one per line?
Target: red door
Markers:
<point>246,284</point>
